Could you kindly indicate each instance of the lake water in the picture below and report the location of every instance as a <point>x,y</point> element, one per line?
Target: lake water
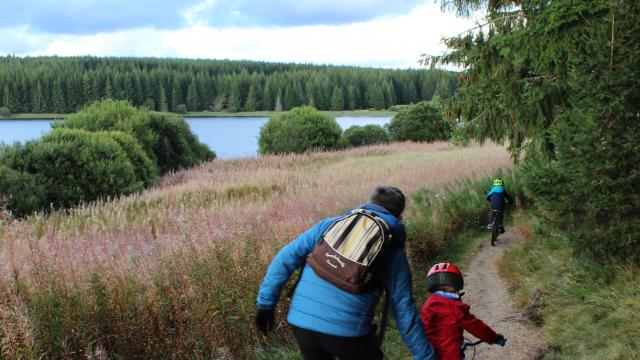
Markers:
<point>229,137</point>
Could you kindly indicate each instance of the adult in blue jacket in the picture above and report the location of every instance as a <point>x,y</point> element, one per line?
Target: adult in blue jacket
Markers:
<point>497,198</point>
<point>329,322</point>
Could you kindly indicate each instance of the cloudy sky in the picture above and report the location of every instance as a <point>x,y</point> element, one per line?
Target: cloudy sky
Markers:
<point>378,33</point>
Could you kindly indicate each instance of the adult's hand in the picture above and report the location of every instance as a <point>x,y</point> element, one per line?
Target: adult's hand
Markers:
<point>265,320</point>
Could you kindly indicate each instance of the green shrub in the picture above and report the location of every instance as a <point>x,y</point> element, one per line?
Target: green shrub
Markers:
<point>423,121</point>
<point>4,111</point>
<point>78,165</point>
<point>22,193</point>
<point>299,130</point>
<point>181,109</point>
<point>173,144</point>
<point>365,135</point>
<point>146,170</point>
<point>167,139</point>
<point>107,115</point>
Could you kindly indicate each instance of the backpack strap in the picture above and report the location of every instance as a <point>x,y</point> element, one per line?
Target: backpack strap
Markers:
<point>383,318</point>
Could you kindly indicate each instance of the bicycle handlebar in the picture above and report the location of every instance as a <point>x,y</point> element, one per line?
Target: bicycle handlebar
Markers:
<point>469,343</point>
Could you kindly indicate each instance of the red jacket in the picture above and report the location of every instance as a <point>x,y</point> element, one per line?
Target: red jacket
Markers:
<point>444,319</point>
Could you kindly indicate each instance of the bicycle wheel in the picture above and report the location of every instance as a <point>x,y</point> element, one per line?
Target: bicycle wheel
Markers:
<point>494,231</point>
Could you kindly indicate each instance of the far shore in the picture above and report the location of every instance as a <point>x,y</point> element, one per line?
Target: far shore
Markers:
<point>215,114</point>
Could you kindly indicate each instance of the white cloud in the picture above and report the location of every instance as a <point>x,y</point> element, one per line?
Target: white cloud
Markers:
<point>384,42</point>
<point>193,15</point>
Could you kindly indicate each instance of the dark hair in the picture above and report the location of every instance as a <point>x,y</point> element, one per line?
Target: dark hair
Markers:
<point>390,198</point>
<point>446,288</point>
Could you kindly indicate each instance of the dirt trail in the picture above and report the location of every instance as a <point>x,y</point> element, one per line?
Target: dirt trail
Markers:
<point>486,293</point>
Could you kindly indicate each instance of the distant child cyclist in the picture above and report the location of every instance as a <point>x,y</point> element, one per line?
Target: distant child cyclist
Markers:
<point>498,198</point>
<point>444,315</point>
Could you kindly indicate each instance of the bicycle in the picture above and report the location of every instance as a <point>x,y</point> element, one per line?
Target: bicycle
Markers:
<point>494,227</point>
<point>468,343</point>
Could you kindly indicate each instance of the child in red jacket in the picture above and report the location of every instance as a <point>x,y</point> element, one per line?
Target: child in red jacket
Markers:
<point>444,315</point>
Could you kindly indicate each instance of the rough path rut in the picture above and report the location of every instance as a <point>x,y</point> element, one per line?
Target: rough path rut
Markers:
<point>486,293</point>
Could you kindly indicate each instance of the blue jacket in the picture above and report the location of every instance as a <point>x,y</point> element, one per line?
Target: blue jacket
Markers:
<point>322,307</point>
<point>498,197</point>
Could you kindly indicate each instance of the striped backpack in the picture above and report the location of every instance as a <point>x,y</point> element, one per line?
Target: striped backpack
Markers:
<point>349,252</point>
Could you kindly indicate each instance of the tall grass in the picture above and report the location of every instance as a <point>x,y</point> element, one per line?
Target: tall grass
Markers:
<point>439,216</point>
<point>587,310</point>
<point>173,272</point>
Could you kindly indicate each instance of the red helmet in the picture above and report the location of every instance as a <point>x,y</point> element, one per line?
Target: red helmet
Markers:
<point>444,274</point>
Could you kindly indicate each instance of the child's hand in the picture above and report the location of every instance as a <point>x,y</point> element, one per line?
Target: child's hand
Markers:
<point>500,340</point>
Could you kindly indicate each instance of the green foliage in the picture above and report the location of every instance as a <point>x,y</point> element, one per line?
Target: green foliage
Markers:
<point>59,84</point>
<point>4,111</point>
<point>172,143</point>
<point>365,135</point>
<point>22,193</point>
<point>105,115</point>
<point>337,99</point>
<point>559,81</point>
<point>181,109</point>
<point>193,100</point>
<point>107,149</point>
<point>149,104</point>
<point>420,122</point>
<point>587,310</point>
<point>167,139</point>
<point>591,188</point>
<point>76,166</point>
<point>146,169</point>
<point>299,130</point>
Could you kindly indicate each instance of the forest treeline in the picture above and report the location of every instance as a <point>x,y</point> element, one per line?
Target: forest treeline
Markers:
<point>64,84</point>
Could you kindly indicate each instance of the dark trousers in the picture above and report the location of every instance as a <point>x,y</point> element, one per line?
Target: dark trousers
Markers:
<point>499,218</point>
<point>317,346</point>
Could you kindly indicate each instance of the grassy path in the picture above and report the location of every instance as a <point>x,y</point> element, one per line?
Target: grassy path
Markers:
<point>487,294</point>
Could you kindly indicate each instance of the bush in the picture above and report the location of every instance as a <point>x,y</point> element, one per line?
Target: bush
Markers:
<point>423,121</point>
<point>299,130</point>
<point>181,109</point>
<point>5,111</point>
<point>146,169</point>
<point>105,115</point>
<point>77,165</point>
<point>22,193</point>
<point>167,139</point>
<point>365,135</point>
<point>173,144</point>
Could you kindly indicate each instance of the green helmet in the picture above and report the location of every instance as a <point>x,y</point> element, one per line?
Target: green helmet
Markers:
<point>497,182</point>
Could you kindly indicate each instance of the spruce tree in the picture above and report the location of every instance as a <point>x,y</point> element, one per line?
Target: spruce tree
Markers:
<point>108,89</point>
<point>162,100</point>
<point>250,103</point>
<point>36,100</point>
<point>58,103</point>
<point>193,100</point>
<point>375,97</point>
<point>337,99</point>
